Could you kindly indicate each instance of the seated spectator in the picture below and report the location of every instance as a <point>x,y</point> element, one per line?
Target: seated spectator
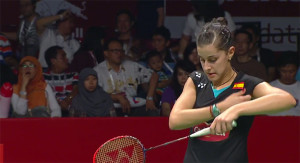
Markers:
<point>32,96</point>
<point>287,68</point>
<point>181,73</point>
<point>241,61</point>
<point>60,35</point>
<point>132,46</point>
<point>191,55</point>
<point>91,100</point>
<point>262,55</point>
<point>63,82</point>
<point>91,50</point>
<point>121,78</point>
<point>155,62</point>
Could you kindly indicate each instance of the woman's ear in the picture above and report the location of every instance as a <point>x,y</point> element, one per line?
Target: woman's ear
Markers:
<point>231,52</point>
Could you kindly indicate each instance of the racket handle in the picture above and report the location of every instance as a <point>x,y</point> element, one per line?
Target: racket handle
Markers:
<point>206,131</point>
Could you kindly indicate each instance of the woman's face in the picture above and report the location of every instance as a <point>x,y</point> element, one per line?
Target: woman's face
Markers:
<point>182,76</point>
<point>28,69</point>
<point>90,83</point>
<point>194,57</point>
<point>215,63</point>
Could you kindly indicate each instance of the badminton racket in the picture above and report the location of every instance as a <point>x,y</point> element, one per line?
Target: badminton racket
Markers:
<point>128,149</point>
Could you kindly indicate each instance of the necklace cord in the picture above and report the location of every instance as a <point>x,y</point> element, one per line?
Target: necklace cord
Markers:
<point>226,80</point>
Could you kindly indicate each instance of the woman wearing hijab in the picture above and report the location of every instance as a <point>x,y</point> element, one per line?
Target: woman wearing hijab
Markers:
<point>32,96</point>
<point>92,100</point>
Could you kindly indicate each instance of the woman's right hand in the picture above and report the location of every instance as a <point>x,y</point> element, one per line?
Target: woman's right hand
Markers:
<point>233,99</point>
<point>25,80</point>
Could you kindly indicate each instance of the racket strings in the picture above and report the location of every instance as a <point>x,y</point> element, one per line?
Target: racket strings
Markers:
<point>124,149</point>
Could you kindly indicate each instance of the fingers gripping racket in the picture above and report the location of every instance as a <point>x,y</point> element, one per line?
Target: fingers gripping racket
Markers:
<point>128,149</point>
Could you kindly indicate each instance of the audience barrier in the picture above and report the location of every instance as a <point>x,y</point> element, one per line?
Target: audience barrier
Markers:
<point>271,139</point>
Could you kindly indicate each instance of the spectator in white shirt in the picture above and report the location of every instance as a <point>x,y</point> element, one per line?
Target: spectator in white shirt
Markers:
<point>287,68</point>
<point>121,78</point>
<point>59,35</point>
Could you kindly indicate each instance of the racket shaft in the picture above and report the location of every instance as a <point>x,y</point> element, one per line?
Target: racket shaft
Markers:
<point>167,143</point>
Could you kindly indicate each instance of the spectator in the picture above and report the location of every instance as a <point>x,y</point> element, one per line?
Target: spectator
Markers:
<point>241,61</point>
<point>91,99</point>
<point>155,62</point>
<point>191,55</point>
<point>263,55</point>
<point>181,73</point>
<point>287,68</point>
<point>27,35</point>
<point>120,78</point>
<point>63,82</point>
<point>150,16</point>
<point>161,42</point>
<point>204,11</point>
<point>59,35</point>
<point>125,22</point>
<point>32,96</point>
<point>91,50</point>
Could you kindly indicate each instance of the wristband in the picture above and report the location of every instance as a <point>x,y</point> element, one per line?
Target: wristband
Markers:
<point>149,98</point>
<point>216,111</point>
<point>210,111</point>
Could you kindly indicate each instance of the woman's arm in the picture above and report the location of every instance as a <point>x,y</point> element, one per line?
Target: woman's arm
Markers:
<point>267,99</point>
<point>182,115</point>
<point>52,102</point>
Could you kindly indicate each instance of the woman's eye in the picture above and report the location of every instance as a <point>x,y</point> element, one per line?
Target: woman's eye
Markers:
<point>212,60</point>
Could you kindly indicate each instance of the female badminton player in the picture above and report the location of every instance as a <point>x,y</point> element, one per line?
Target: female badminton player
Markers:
<point>219,95</point>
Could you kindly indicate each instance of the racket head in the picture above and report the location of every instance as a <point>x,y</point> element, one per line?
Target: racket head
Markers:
<point>120,149</point>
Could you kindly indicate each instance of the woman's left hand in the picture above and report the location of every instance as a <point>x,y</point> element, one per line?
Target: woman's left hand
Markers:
<point>223,122</point>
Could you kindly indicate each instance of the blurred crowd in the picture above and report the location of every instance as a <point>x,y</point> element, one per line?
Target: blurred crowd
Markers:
<point>140,71</point>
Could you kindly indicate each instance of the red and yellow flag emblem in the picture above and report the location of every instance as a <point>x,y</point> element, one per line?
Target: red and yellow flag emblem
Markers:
<point>239,85</point>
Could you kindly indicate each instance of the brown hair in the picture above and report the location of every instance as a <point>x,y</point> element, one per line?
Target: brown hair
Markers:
<point>217,33</point>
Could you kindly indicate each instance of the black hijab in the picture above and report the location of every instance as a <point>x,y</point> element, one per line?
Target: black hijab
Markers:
<point>96,103</point>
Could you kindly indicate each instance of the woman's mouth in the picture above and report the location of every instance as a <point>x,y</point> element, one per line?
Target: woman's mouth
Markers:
<point>211,74</point>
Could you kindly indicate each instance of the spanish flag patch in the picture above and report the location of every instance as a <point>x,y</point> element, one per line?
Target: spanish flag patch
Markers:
<point>239,85</point>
